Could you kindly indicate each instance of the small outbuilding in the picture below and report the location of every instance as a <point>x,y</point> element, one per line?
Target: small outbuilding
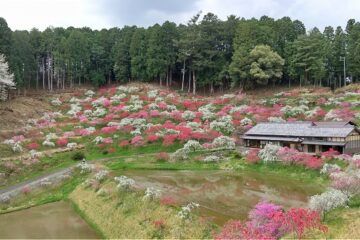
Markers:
<point>312,137</point>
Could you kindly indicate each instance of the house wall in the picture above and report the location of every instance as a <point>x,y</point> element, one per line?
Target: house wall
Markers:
<point>352,143</point>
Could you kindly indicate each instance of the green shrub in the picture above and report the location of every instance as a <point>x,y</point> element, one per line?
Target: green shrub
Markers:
<point>78,156</point>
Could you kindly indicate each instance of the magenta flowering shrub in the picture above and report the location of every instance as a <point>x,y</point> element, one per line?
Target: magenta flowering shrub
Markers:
<point>261,219</point>
<point>269,221</point>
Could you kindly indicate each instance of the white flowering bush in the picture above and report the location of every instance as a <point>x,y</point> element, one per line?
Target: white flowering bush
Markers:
<point>35,154</point>
<point>269,153</point>
<point>304,101</point>
<point>98,140</point>
<point>89,93</point>
<point>333,101</point>
<point>15,145</point>
<point>245,121</point>
<point>125,182</point>
<point>188,115</point>
<point>101,175</point>
<point>224,142</point>
<point>171,107</point>
<point>192,146</point>
<point>151,194</point>
<point>330,168</point>
<point>85,167</point>
<point>98,102</point>
<point>211,158</point>
<point>331,115</point>
<point>5,199</point>
<point>180,154</point>
<point>99,112</point>
<point>90,130</point>
<point>328,200</point>
<point>223,124</point>
<point>276,119</point>
<point>292,111</point>
<point>71,145</point>
<point>74,109</point>
<point>56,102</point>
<point>45,182</point>
<point>185,211</point>
<point>74,100</point>
<point>48,143</point>
<point>312,113</point>
<point>152,93</point>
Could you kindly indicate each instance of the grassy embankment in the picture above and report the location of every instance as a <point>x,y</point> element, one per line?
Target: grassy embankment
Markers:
<point>124,214</point>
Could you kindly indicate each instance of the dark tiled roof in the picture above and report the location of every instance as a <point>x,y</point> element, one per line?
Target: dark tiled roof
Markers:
<point>302,129</point>
<point>288,139</point>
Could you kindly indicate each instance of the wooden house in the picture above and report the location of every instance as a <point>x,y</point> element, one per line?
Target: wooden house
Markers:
<point>312,137</point>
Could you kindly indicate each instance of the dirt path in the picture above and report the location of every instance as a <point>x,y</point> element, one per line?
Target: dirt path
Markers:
<point>53,176</point>
<point>48,152</point>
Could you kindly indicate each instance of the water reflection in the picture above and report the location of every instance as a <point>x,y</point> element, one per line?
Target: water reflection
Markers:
<point>225,195</point>
<point>50,221</point>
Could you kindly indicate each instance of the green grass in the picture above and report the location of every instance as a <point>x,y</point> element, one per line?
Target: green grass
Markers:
<point>297,172</point>
<point>42,196</point>
<point>91,151</point>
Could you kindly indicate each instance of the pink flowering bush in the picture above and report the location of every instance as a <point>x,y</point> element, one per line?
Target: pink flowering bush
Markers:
<point>314,163</point>
<point>269,221</point>
<point>345,182</point>
<point>299,221</point>
<point>33,146</point>
<point>137,141</point>
<point>287,155</point>
<point>330,154</point>
<point>108,130</point>
<point>169,139</point>
<point>61,142</point>
<point>252,156</point>
<point>107,140</point>
<point>237,230</point>
<point>164,156</point>
<point>167,200</point>
<point>124,143</point>
<point>152,138</point>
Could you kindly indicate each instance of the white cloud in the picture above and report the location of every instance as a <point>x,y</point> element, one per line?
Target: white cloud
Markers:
<point>26,14</point>
<point>97,14</point>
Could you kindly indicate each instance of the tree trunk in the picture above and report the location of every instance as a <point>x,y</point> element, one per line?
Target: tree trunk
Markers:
<point>189,86</point>
<point>48,73</point>
<point>167,77</point>
<point>194,83</point>
<point>211,88</point>
<point>43,73</point>
<point>183,76</point>
<point>171,73</point>
<point>160,81</point>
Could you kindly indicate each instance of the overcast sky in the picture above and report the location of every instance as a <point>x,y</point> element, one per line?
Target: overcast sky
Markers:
<point>97,14</point>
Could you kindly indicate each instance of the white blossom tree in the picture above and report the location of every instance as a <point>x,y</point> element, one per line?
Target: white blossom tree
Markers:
<point>6,79</point>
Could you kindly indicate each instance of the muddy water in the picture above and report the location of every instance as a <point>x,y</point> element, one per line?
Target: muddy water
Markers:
<point>54,220</point>
<point>225,195</point>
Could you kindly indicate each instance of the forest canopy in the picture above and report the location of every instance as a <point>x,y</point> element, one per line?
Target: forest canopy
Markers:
<point>207,53</point>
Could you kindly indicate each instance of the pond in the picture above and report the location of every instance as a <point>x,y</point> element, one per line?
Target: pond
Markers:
<point>50,221</point>
<point>225,195</point>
